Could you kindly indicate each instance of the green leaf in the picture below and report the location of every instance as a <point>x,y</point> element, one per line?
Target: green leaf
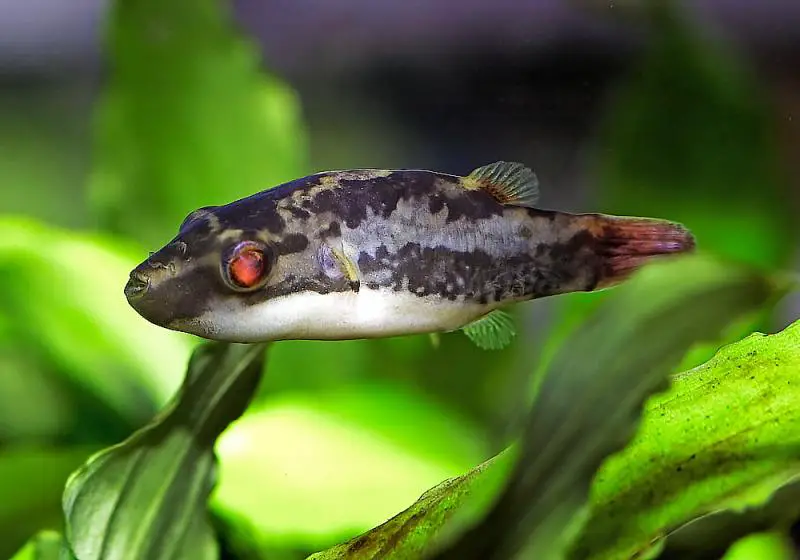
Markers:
<point>726,436</point>
<point>31,483</point>
<point>146,498</point>
<point>589,404</point>
<point>72,341</point>
<point>46,545</point>
<point>586,409</point>
<point>762,546</point>
<point>409,534</point>
<point>188,119</point>
<point>711,535</point>
<point>328,446</point>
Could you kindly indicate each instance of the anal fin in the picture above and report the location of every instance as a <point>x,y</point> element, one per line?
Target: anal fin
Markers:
<point>493,331</point>
<point>508,182</point>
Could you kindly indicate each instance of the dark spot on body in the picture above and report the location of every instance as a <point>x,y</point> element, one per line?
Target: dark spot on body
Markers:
<point>472,204</point>
<point>380,253</point>
<point>243,215</point>
<point>292,243</point>
<point>582,240</point>
<point>299,213</point>
<point>435,204</point>
<point>333,230</point>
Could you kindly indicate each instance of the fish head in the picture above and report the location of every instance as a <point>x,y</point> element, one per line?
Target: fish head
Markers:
<point>215,273</point>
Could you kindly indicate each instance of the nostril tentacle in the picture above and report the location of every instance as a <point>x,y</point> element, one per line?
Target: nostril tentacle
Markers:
<point>137,285</point>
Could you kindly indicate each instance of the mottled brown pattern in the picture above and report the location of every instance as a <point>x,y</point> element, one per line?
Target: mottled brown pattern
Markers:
<point>412,231</point>
<point>478,277</point>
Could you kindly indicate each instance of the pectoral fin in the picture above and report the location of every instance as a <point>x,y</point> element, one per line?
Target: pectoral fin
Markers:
<point>336,264</point>
<point>493,331</point>
<point>349,268</point>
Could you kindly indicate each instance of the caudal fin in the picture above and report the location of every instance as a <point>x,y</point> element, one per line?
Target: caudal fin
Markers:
<point>626,244</point>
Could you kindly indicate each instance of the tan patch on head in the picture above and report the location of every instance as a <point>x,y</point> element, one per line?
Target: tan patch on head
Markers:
<point>235,235</point>
<point>299,196</point>
<point>327,182</point>
<point>229,234</point>
<point>213,222</point>
<point>363,174</point>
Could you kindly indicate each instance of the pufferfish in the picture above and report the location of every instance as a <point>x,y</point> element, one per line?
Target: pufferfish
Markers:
<point>370,253</point>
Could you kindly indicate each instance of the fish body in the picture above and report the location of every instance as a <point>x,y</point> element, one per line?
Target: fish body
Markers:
<point>374,253</point>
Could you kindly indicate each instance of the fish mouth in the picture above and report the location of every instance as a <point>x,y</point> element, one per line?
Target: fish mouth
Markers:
<point>159,296</point>
<point>143,296</point>
<point>138,285</point>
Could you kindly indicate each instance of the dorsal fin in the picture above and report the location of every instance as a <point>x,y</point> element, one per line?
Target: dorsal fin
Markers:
<point>493,331</point>
<point>508,182</point>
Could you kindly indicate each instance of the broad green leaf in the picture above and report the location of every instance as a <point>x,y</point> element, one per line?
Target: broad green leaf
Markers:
<point>586,409</point>
<point>409,534</point>
<point>711,535</point>
<point>146,497</point>
<point>590,401</point>
<point>62,295</point>
<point>762,546</point>
<point>187,118</point>
<point>46,545</point>
<point>726,436</point>
<point>384,443</point>
<point>31,483</point>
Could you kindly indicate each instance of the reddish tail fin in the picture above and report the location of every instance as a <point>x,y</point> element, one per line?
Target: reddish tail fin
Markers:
<point>628,243</point>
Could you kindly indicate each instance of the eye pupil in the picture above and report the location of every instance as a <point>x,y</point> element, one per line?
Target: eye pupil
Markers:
<point>247,268</point>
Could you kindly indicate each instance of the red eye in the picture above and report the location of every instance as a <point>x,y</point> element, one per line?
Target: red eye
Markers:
<point>247,266</point>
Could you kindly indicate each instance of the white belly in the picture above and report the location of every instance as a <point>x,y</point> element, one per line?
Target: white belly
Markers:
<point>341,316</point>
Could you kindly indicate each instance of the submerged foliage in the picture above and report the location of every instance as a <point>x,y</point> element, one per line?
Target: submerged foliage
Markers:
<point>531,499</point>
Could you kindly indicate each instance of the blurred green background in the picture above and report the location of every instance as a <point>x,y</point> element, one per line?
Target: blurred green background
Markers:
<point>117,119</point>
